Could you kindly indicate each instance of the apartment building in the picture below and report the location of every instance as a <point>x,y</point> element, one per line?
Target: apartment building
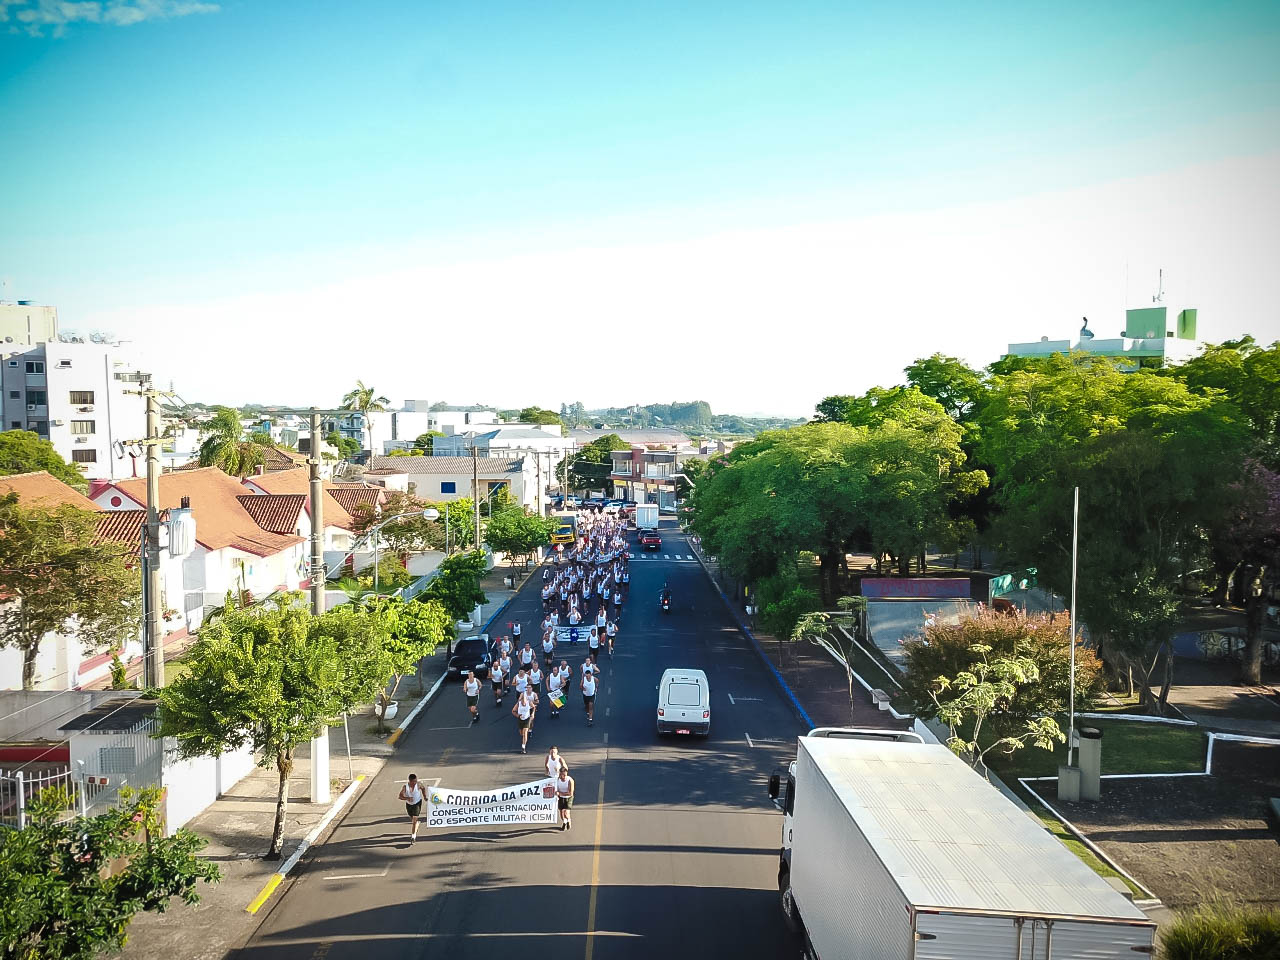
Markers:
<point>27,323</point>
<point>74,395</point>
<point>645,475</point>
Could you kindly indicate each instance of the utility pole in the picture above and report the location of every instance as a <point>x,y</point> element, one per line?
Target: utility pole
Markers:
<point>319,743</point>
<point>475,489</point>
<point>153,644</point>
<point>537,460</point>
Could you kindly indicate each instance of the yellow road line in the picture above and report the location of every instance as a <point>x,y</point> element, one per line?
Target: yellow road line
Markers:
<point>265,893</point>
<point>395,735</point>
<point>595,869</point>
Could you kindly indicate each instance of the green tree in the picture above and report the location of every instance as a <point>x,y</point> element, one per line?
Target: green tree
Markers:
<point>55,577</point>
<point>22,451</point>
<point>1147,455</point>
<point>346,447</point>
<point>946,650</point>
<point>951,382</point>
<point>457,585</point>
<point>424,442</point>
<point>223,445</point>
<point>1247,375</point>
<point>271,678</point>
<point>517,533</point>
<point>591,466</point>
<point>539,415</point>
<point>71,885</point>
<point>364,400</point>
<point>968,700</point>
<point>409,631</point>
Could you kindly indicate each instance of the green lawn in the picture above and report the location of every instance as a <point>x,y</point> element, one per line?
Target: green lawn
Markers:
<point>1128,746</point>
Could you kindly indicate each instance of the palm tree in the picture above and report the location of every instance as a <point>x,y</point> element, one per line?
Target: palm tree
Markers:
<point>224,446</point>
<point>364,400</point>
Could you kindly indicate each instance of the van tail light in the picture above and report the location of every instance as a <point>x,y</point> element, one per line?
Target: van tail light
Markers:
<point>706,714</point>
<point>661,713</point>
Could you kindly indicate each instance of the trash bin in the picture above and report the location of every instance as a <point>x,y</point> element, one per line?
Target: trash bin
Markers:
<point>1090,763</point>
<point>1068,783</point>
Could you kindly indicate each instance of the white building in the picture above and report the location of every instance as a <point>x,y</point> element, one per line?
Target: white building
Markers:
<point>26,323</point>
<point>74,395</point>
<point>441,479</point>
<point>1149,338</point>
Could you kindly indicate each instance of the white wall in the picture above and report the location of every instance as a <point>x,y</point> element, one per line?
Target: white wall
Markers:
<point>192,784</point>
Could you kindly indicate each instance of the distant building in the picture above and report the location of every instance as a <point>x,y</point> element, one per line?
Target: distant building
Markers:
<point>74,395</point>
<point>441,479</point>
<point>645,475</point>
<point>25,323</point>
<point>1148,340</point>
<point>656,435</point>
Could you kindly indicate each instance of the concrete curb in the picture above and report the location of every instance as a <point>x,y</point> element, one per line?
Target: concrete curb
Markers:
<point>278,877</point>
<point>782,683</point>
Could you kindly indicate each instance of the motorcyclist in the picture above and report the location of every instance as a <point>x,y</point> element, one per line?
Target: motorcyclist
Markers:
<point>665,597</point>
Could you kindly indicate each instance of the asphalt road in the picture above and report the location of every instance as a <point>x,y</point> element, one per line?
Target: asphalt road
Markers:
<point>674,845</point>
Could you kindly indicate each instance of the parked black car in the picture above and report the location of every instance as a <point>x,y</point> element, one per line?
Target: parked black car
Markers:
<point>470,653</point>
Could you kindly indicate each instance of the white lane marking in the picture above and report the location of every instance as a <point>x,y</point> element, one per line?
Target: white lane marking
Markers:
<point>749,743</point>
<point>606,710</point>
<point>666,556</point>
<point>752,743</point>
<point>734,700</point>
<point>358,876</point>
<point>606,738</point>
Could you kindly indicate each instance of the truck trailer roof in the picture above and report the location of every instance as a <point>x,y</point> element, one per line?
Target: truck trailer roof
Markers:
<point>951,841</point>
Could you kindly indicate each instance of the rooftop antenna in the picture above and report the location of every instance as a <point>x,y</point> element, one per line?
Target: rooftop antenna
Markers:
<point>1159,297</point>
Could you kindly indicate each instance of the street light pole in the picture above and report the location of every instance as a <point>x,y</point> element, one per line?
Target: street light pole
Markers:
<point>1071,704</point>
<point>320,790</point>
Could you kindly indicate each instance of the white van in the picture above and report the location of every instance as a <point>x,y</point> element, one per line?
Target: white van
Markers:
<point>684,703</point>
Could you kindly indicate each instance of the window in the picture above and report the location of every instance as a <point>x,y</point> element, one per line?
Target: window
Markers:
<point>82,428</point>
<point>684,695</point>
<point>39,397</point>
<point>15,395</point>
<point>84,456</point>
<point>64,363</point>
<point>448,486</point>
<point>13,363</point>
<point>81,397</point>
<point>39,427</point>
<point>35,366</point>
<point>15,424</point>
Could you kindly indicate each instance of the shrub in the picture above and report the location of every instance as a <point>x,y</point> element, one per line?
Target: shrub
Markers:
<point>391,574</point>
<point>1223,932</point>
<point>945,651</point>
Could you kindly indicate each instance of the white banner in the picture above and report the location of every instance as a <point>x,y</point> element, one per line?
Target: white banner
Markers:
<point>573,634</point>
<point>533,802</point>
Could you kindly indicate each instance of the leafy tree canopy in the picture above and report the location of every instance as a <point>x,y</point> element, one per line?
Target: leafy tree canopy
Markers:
<point>539,415</point>
<point>53,573</point>
<point>22,451</point>
<point>71,885</point>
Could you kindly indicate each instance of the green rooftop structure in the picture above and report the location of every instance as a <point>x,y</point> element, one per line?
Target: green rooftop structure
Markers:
<point>1147,339</point>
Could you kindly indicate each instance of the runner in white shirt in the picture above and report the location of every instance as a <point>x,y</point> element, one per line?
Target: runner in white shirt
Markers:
<point>496,677</point>
<point>548,648</point>
<point>602,618</point>
<point>505,663</point>
<point>526,656</point>
<point>504,647</point>
<point>521,682</point>
<point>553,762</point>
<point>411,794</point>
<point>555,618</point>
<point>555,684</point>
<point>593,644</point>
<point>566,674</point>
<point>522,710</point>
<point>471,687</point>
<point>516,630</point>
<point>612,631</point>
<point>589,695</point>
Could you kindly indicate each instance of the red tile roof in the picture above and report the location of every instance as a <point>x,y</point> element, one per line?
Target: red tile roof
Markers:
<point>274,512</point>
<point>299,481</point>
<point>43,489</point>
<point>121,526</point>
<point>349,496</point>
<point>221,520</point>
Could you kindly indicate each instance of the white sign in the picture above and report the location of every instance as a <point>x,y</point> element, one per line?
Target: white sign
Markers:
<point>573,634</point>
<point>533,802</point>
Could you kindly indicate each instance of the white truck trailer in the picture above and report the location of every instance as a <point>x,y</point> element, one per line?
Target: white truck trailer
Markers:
<point>646,516</point>
<point>899,851</point>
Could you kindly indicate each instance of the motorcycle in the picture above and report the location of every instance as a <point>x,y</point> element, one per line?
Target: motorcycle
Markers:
<point>665,602</point>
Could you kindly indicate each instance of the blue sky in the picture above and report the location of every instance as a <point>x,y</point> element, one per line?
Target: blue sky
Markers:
<point>252,149</point>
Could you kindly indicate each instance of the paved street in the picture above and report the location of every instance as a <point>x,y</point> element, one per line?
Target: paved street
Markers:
<point>674,843</point>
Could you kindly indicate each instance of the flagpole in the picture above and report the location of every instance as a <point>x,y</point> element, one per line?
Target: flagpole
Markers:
<point>1071,704</point>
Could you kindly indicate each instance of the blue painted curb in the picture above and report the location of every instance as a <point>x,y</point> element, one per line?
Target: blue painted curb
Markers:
<point>786,688</point>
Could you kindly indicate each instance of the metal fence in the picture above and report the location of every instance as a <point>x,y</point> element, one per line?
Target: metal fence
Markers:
<point>128,758</point>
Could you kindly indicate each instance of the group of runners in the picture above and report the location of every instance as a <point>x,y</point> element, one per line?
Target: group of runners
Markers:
<point>584,588</point>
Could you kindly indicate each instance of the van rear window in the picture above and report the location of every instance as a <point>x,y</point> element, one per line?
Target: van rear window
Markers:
<point>684,695</point>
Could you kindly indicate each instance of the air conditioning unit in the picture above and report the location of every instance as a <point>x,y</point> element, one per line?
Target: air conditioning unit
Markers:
<point>88,409</point>
<point>82,439</point>
<point>31,406</point>
<point>58,423</point>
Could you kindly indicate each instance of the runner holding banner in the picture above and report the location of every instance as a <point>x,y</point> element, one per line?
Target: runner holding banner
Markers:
<point>533,802</point>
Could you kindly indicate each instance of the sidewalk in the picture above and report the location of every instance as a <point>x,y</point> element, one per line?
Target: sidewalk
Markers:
<point>238,824</point>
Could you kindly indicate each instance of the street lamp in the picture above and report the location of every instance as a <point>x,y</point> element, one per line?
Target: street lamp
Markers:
<point>431,513</point>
